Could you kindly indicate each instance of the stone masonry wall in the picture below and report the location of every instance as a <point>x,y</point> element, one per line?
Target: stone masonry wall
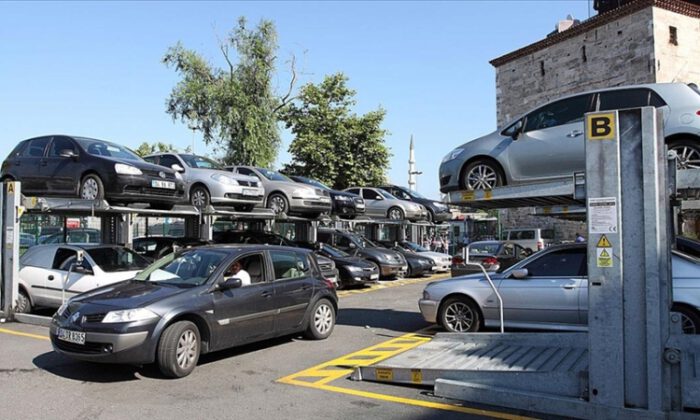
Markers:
<point>679,62</point>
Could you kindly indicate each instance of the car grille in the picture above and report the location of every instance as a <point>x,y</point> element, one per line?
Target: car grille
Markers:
<point>244,197</point>
<point>156,174</point>
<point>153,191</point>
<point>445,180</point>
<point>93,318</point>
<point>88,348</point>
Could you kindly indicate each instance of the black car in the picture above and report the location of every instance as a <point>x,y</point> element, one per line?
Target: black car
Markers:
<point>417,265</point>
<point>494,256</point>
<point>156,247</point>
<point>346,205</point>
<point>390,263</point>
<point>90,169</point>
<point>437,211</point>
<point>191,302</point>
<point>352,271</point>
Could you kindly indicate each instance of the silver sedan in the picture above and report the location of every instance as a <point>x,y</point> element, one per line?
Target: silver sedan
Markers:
<point>381,204</point>
<point>548,290</point>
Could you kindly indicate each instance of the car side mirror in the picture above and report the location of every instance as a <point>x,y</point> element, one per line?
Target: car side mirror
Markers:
<point>68,153</point>
<point>177,168</point>
<point>80,257</point>
<point>81,270</point>
<point>230,283</point>
<point>520,273</point>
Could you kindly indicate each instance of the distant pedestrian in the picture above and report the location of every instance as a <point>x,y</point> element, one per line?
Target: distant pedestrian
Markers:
<point>435,244</point>
<point>580,238</point>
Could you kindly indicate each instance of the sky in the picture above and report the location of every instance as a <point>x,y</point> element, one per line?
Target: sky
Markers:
<point>94,68</point>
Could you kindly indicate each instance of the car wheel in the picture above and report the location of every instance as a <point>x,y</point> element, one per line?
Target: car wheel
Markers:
<point>431,216</point>
<point>690,320</point>
<point>92,188</point>
<point>24,305</point>
<point>278,203</point>
<point>199,196</point>
<point>321,321</point>
<point>688,153</point>
<point>395,213</point>
<point>178,349</point>
<point>481,175</point>
<point>459,314</point>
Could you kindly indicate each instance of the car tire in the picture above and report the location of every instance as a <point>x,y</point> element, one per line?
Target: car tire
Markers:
<point>91,188</point>
<point>321,320</point>
<point>178,349</point>
<point>460,314</point>
<point>690,320</point>
<point>278,203</point>
<point>200,197</point>
<point>24,304</point>
<point>395,213</point>
<point>688,151</point>
<point>431,216</point>
<point>481,174</point>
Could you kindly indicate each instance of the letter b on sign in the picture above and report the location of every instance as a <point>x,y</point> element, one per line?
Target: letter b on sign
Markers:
<point>600,126</point>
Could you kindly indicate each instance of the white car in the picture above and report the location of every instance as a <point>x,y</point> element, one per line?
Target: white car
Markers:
<point>46,270</point>
<point>443,262</point>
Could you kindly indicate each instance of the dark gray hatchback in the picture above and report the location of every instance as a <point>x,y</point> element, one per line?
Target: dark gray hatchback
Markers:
<point>197,301</point>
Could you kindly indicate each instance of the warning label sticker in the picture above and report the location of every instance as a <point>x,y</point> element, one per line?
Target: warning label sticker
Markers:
<point>602,215</point>
<point>604,242</point>
<point>604,257</point>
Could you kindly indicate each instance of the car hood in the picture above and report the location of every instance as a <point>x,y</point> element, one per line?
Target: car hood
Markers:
<point>435,255</point>
<point>375,252</point>
<point>128,294</point>
<point>207,173</point>
<point>143,165</point>
<point>356,261</point>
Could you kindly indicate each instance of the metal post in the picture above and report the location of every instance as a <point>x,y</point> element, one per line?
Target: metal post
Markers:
<point>10,245</point>
<point>127,231</point>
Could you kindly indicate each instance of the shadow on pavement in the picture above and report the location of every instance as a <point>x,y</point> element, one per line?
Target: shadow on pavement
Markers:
<point>389,319</point>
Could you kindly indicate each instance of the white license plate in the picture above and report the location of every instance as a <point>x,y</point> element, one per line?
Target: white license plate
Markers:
<point>168,185</point>
<point>248,191</point>
<point>76,337</point>
<point>374,277</point>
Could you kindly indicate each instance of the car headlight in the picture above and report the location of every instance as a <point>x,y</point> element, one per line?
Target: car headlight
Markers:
<point>123,169</point>
<point>353,268</point>
<point>62,309</point>
<point>129,315</point>
<point>304,193</point>
<point>453,154</point>
<point>342,197</point>
<point>223,179</point>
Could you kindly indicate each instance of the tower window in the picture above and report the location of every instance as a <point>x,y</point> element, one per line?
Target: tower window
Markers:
<point>673,35</point>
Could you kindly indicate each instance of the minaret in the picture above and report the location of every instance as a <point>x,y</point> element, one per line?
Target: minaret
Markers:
<point>412,167</point>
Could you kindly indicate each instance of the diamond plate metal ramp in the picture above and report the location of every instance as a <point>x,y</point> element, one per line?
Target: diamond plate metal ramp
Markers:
<point>535,362</point>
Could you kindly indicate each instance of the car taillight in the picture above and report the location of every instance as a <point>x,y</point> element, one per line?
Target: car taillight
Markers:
<point>540,244</point>
<point>489,261</point>
<point>329,283</point>
<point>698,112</point>
<point>457,260</point>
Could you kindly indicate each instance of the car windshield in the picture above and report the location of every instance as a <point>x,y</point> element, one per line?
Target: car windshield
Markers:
<point>107,149</point>
<point>362,242</point>
<point>333,252</point>
<point>415,247</point>
<point>189,268</point>
<point>316,184</point>
<point>273,176</point>
<point>117,259</point>
<point>484,249</point>
<point>200,162</point>
<point>386,194</point>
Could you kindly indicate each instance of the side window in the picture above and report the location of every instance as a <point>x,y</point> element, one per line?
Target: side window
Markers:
<point>368,194</point>
<point>289,265</point>
<point>568,262</point>
<point>509,250</point>
<point>520,252</point>
<point>17,151</point>
<point>513,129</point>
<point>151,159</point>
<point>343,242</point>
<point>168,161</point>
<point>323,237</point>
<point>36,147</point>
<point>628,98</point>
<point>354,191</point>
<point>250,269</point>
<point>558,113</point>
<point>400,194</point>
<point>60,144</point>
<point>527,234</point>
<point>64,258</point>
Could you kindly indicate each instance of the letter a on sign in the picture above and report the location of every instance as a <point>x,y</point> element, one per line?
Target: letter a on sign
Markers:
<point>600,126</point>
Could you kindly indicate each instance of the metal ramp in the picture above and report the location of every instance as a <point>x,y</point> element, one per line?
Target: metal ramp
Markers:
<point>486,358</point>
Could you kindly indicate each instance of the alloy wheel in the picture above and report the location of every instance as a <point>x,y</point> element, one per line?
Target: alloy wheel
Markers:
<point>277,204</point>
<point>199,198</point>
<point>323,318</point>
<point>187,348</point>
<point>89,190</point>
<point>687,325</point>
<point>395,214</point>
<point>481,177</point>
<point>687,157</point>
<point>459,317</point>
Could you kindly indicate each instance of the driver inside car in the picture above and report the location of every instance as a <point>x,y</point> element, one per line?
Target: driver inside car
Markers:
<point>236,271</point>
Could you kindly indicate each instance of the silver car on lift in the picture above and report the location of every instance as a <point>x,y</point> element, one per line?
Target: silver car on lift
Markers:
<point>381,204</point>
<point>209,183</point>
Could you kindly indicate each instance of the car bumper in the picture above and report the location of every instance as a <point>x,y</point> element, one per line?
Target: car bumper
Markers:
<point>310,205</point>
<point>236,194</point>
<point>132,188</point>
<point>348,277</point>
<point>428,308</point>
<point>416,214</point>
<point>449,175</point>
<point>391,270</point>
<point>347,208</point>
<point>442,267</point>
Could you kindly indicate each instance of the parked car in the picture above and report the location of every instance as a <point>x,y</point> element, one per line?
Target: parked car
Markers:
<point>286,196</point>
<point>26,240</point>
<point>191,303</point>
<point>437,211</point>
<point>417,264</point>
<point>345,204</point>
<point>73,236</point>
<point>548,290</point>
<point>390,264</point>
<point>155,247</point>
<point>92,170</point>
<point>46,270</point>
<point>352,271</point>
<point>207,182</point>
<point>494,256</point>
<point>381,204</point>
<point>548,143</point>
<point>532,239</point>
<point>442,261</point>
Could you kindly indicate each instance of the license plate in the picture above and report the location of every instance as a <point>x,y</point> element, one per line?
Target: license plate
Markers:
<point>248,191</point>
<point>168,185</point>
<point>75,337</point>
<point>374,277</point>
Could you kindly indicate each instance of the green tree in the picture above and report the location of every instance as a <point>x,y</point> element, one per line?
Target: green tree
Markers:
<point>147,148</point>
<point>333,144</point>
<point>233,107</point>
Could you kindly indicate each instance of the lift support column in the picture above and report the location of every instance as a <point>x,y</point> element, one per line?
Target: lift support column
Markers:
<point>9,267</point>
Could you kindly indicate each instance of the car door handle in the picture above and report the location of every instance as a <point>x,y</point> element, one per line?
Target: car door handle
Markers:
<point>306,287</point>
<point>266,294</point>
<point>569,286</point>
<point>51,277</point>
<point>43,163</point>
<point>575,133</point>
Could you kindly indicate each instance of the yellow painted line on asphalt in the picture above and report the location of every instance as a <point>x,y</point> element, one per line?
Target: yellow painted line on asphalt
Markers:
<point>394,283</point>
<point>22,334</point>
<point>319,376</point>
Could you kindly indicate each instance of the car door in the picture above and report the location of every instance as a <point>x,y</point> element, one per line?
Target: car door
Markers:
<point>294,286</point>
<point>36,272</point>
<point>65,276</point>
<point>374,202</point>
<point>551,143</point>
<point>550,292</point>
<point>27,165</point>
<point>61,174</point>
<point>246,313</point>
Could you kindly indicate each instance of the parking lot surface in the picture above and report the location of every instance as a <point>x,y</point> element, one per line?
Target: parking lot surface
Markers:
<point>260,380</point>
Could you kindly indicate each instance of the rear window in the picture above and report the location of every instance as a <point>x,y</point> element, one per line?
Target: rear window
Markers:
<point>628,98</point>
<point>547,234</point>
<point>117,259</point>
<point>521,234</point>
